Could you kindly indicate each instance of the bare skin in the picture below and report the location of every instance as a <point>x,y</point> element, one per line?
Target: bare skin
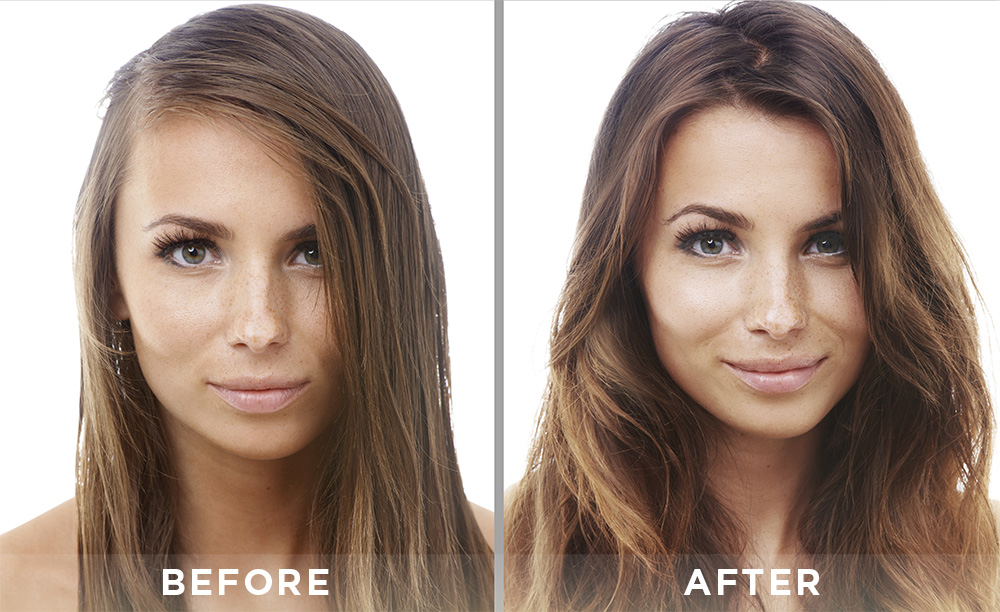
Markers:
<point>38,563</point>
<point>764,483</point>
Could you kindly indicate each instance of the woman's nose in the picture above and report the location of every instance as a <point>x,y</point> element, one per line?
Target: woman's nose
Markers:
<point>257,317</point>
<point>777,300</point>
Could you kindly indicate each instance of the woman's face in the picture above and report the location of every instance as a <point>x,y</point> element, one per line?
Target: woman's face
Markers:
<point>219,274</point>
<point>752,303</point>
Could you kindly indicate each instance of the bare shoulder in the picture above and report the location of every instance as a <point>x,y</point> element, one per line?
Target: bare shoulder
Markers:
<point>38,562</point>
<point>995,504</point>
<point>53,532</point>
<point>484,519</point>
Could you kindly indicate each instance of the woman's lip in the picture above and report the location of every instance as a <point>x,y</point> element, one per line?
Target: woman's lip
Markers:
<point>258,400</point>
<point>771,378</point>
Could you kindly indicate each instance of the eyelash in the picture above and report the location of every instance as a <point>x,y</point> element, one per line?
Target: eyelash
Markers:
<point>687,238</point>
<point>166,245</point>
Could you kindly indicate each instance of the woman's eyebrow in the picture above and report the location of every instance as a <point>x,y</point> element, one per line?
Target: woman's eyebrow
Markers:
<point>824,221</point>
<point>208,228</point>
<point>719,214</point>
<point>741,222</point>
<point>306,232</point>
<point>218,230</point>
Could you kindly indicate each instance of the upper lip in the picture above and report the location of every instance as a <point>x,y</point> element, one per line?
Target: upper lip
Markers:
<point>770,366</point>
<point>259,383</point>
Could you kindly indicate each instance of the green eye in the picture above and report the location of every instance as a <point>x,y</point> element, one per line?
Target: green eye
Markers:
<point>310,254</point>
<point>829,243</point>
<point>707,242</point>
<point>186,251</point>
<point>710,245</point>
<point>193,253</point>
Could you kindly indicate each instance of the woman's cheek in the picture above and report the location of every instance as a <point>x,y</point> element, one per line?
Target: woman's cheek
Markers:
<point>175,323</point>
<point>836,299</point>
<point>693,306</point>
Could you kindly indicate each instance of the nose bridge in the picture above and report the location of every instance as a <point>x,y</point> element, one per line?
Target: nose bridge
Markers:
<point>777,297</point>
<point>257,311</point>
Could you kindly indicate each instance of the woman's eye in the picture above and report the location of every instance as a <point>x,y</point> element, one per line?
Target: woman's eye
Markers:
<point>309,254</point>
<point>827,243</point>
<point>710,244</point>
<point>193,253</point>
<point>190,254</point>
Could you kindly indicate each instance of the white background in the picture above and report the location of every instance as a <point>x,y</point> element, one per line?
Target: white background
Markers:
<point>562,62</point>
<point>58,58</point>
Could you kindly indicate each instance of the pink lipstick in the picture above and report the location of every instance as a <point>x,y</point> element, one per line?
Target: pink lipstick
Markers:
<point>258,396</point>
<point>780,376</point>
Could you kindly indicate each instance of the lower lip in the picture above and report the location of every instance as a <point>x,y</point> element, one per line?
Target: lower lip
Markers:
<point>258,401</point>
<point>776,382</point>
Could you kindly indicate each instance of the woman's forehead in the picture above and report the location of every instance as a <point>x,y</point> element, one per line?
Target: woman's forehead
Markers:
<point>192,167</point>
<point>752,164</point>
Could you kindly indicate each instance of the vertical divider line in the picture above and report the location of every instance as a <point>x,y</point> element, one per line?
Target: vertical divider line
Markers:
<point>498,303</point>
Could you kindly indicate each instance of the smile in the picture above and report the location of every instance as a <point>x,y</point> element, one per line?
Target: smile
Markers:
<point>259,397</point>
<point>776,377</point>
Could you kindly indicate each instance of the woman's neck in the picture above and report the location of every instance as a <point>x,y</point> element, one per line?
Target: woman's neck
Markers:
<point>765,483</point>
<point>231,506</point>
<point>239,515</point>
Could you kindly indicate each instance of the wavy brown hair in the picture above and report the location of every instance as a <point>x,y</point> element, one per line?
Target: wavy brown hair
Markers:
<point>614,511</point>
<point>390,517</point>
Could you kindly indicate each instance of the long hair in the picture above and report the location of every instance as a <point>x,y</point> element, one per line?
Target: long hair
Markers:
<point>614,512</point>
<point>389,518</point>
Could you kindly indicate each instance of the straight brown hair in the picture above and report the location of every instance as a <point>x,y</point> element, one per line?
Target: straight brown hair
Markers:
<point>614,512</point>
<point>390,515</point>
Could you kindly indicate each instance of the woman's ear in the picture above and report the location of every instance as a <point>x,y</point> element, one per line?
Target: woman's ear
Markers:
<point>119,309</point>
